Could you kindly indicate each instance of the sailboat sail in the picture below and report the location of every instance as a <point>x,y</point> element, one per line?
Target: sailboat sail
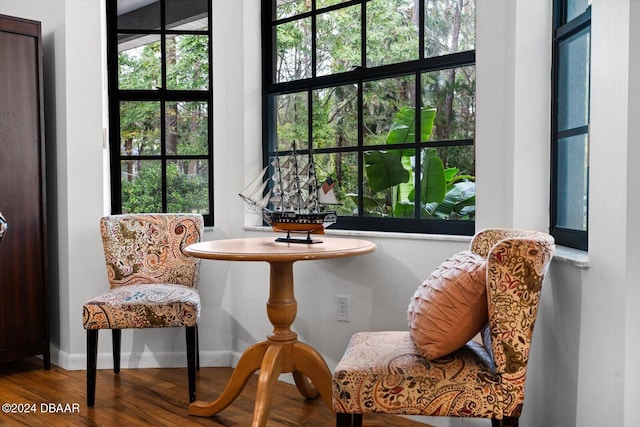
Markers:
<point>254,194</point>
<point>294,202</point>
<point>326,195</point>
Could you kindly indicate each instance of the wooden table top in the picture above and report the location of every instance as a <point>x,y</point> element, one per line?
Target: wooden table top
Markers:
<point>267,249</point>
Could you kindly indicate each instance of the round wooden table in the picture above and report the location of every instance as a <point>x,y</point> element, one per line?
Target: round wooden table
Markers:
<point>281,352</point>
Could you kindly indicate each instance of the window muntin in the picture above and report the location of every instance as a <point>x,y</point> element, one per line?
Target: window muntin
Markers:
<point>159,106</point>
<point>353,80</point>
<point>570,123</point>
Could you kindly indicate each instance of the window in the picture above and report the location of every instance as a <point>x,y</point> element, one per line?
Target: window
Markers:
<point>160,100</point>
<point>570,122</point>
<point>352,81</point>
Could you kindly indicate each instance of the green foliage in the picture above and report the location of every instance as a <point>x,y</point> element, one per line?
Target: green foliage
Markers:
<point>186,193</point>
<point>433,182</point>
<point>444,193</point>
<point>384,169</point>
<point>143,194</point>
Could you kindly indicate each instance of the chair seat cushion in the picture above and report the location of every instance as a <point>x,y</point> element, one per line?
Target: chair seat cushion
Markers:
<point>450,307</point>
<point>143,306</point>
<point>384,372</point>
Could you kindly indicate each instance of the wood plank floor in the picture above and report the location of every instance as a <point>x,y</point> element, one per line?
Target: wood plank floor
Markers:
<point>142,397</point>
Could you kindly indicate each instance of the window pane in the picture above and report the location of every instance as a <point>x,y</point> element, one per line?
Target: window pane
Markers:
<point>292,121</point>
<point>452,93</point>
<point>136,15</point>
<point>188,186</point>
<point>576,7</point>
<point>335,117</point>
<point>392,32</point>
<point>385,103</point>
<point>188,62</point>
<point>287,8</point>
<point>572,183</point>
<point>338,41</point>
<point>340,170</point>
<point>461,158</point>
<point>187,128</point>
<point>293,41</point>
<point>139,62</point>
<point>187,15</point>
<point>449,26</point>
<point>139,128</point>
<point>141,182</point>
<point>573,81</point>
<point>447,183</point>
<point>388,183</point>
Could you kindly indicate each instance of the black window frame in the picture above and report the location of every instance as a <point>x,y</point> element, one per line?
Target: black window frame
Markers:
<point>565,28</point>
<point>359,76</point>
<point>159,94</point>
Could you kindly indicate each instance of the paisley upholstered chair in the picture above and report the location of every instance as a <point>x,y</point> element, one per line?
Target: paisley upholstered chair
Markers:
<point>388,372</point>
<point>153,284</point>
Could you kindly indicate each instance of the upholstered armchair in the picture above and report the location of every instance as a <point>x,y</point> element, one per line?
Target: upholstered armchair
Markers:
<point>153,284</point>
<point>387,372</point>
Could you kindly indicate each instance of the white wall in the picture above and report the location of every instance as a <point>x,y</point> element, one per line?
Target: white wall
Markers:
<point>583,369</point>
<point>632,290</point>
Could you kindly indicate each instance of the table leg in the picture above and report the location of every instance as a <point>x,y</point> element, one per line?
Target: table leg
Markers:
<point>307,362</point>
<point>270,370</point>
<point>305,386</point>
<point>249,362</point>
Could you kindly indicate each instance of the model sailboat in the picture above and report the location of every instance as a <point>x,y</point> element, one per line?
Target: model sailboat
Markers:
<point>295,201</point>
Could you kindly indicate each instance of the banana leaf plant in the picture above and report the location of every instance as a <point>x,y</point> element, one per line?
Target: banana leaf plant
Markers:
<point>444,193</point>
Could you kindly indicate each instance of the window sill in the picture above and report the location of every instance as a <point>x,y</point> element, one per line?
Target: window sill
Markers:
<point>379,234</point>
<point>571,256</point>
<point>563,254</point>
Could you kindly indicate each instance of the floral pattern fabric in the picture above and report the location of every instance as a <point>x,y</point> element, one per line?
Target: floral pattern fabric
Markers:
<point>153,282</point>
<point>143,306</point>
<point>384,372</point>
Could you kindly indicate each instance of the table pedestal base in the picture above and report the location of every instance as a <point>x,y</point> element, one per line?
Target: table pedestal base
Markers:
<point>310,372</point>
<point>280,353</point>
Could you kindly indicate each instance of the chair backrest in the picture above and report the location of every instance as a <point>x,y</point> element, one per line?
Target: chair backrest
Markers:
<point>148,248</point>
<point>517,261</point>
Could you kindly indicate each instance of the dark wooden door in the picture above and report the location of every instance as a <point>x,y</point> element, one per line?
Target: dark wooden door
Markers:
<point>23,257</point>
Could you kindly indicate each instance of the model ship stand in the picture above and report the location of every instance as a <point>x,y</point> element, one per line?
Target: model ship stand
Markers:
<point>290,239</point>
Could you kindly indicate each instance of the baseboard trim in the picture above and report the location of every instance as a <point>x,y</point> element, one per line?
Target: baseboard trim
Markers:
<point>76,362</point>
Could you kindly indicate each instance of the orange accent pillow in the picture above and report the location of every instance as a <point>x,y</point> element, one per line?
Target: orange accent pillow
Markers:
<point>450,307</point>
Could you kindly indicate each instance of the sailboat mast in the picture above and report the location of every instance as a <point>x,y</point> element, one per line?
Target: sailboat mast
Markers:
<point>279,184</point>
<point>296,174</point>
<point>313,183</point>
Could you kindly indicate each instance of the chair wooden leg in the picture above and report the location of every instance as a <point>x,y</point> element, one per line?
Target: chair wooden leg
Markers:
<point>191,333</point>
<point>348,420</point>
<point>92,360</point>
<point>197,349</point>
<point>505,422</point>
<point>117,339</point>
